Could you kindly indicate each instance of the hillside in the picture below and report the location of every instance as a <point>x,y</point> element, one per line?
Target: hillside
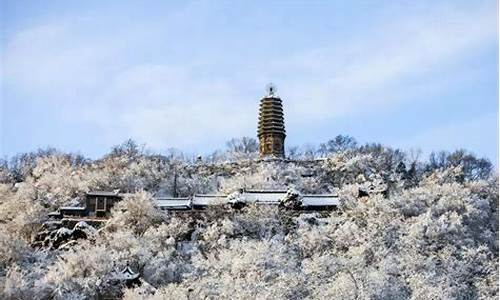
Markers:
<point>407,228</point>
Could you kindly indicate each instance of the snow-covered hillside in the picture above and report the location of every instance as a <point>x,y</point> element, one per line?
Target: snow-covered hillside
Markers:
<point>407,228</point>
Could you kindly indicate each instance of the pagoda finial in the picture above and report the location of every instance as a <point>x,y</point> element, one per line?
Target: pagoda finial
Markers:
<point>271,89</point>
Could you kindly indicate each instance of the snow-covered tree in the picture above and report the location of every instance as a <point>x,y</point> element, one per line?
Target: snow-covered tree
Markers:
<point>405,228</point>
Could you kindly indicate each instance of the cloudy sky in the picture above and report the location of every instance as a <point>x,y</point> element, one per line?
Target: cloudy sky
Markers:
<point>85,75</point>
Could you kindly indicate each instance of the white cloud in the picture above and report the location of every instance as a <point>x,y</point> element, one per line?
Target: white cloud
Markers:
<point>51,59</point>
<point>167,106</point>
<point>356,73</point>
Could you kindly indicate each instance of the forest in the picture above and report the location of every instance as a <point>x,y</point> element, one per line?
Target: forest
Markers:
<point>407,227</point>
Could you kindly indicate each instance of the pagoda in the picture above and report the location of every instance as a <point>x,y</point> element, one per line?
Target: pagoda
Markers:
<point>271,128</point>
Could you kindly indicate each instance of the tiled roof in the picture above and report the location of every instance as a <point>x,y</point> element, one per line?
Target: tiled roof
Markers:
<point>173,203</point>
<point>103,193</point>
<point>72,208</point>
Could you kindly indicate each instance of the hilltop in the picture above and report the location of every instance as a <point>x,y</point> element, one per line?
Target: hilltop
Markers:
<point>406,227</point>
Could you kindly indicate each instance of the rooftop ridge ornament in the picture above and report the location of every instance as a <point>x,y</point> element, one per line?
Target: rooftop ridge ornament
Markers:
<point>271,89</point>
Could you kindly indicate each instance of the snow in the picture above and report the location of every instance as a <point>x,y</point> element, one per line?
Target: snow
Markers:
<point>173,203</point>
<point>104,193</point>
<point>83,226</point>
<point>64,231</point>
<point>428,232</point>
<point>320,200</point>
<point>271,197</point>
<point>127,274</point>
<point>72,208</point>
<point>207,200</point>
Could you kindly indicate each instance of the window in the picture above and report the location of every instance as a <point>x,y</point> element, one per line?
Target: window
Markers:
<point>92,202</point>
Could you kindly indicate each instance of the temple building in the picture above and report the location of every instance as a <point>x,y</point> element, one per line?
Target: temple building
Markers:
<point>98,204</point>
<point>271,127</point>
<point>271,134</point>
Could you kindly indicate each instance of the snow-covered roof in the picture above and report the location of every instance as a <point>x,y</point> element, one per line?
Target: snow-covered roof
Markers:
<point>104,193</point>
<point>320,200</point>
<point>267,197</point>
<point>204,200</point>
<point>265,191</point>
<point>263,196</point>
<point>173,203</point>
<point>128,274</point>
<point>72,208</point>
<point>172,198</point>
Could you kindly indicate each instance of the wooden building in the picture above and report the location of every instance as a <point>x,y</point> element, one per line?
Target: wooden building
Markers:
<point>99,203</point>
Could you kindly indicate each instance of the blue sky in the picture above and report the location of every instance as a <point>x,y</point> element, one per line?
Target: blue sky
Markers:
<point>83,76</point>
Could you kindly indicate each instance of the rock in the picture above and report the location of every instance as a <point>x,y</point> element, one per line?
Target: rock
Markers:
<point>59,237</point>
<point>63,238</point>
<point>84,229</point>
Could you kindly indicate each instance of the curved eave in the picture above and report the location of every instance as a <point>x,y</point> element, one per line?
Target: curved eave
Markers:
<point>271,117</point>
<point>271,113</point>
<point>270,103</point>
<point>272,122</point>
<point>271,126</point>
<point>271,132</point>
<point>270,98</point>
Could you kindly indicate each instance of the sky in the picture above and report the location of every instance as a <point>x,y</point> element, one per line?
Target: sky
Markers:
<point>83,76</point>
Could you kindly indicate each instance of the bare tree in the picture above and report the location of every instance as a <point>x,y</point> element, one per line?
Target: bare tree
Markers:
<point>244,145</point>
<point>338,144</point>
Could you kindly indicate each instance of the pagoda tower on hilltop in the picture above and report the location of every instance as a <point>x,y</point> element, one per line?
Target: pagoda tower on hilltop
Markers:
<point>271,129</point>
